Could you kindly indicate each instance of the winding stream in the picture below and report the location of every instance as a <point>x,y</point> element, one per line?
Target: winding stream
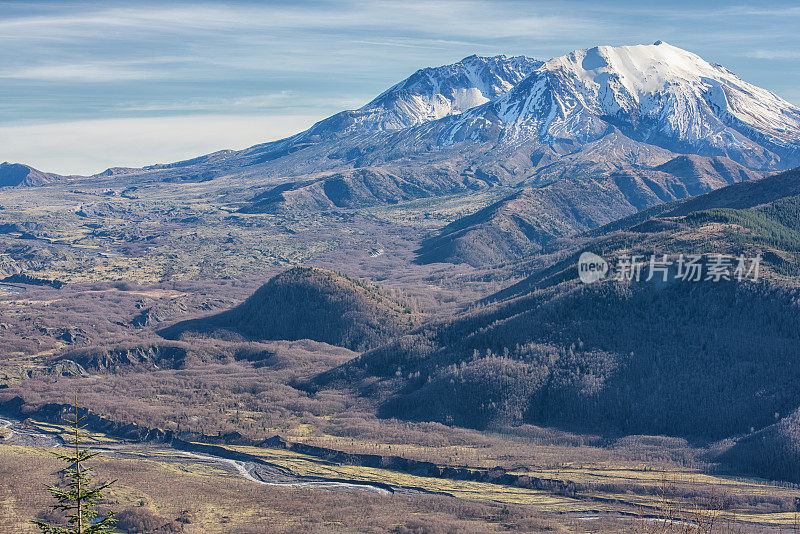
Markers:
<point>21,436</point>
<point>264,474</point>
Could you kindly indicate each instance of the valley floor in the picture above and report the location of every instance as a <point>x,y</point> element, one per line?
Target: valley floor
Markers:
<point>284,491</point>
<point>134,264</point>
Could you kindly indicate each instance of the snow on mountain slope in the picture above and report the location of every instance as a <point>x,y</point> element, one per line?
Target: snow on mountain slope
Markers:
<point>591,111</point>
<point>430,94</point>
<point>659,94</point>
<point>427,95</point>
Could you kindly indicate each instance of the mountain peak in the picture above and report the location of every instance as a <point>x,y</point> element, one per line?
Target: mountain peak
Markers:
<point>430,94</point>
<point>635,69</point>
<point>658,94</point>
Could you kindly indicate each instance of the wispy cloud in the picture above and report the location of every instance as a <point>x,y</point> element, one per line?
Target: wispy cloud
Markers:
<point>470,17</point>
<point>759,11</point>
<point>774,54</point>
<point>273,100</point>
<point>91,44</point>
<point>79,72</point>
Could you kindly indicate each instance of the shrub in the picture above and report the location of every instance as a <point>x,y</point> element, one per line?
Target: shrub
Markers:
<point>144,521</point>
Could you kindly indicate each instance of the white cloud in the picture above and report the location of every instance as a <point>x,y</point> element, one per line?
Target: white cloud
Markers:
<point>774,54</point>
<point>88,147</point>
<point>762,12</point>
<point>96,70</point>
<point>90,43</point>
<point>450,17</point>
<point>271,100</point>
<point>79,72</point>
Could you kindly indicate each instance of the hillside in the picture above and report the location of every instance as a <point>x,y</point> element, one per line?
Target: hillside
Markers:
<point>705,360</point>
<point>362,188</point>
<point>17,174</point>
<point>740,196</point>
<point>525,222</point>
<point>772,452</point>
<point>307,303</point>
<point>612,358</point>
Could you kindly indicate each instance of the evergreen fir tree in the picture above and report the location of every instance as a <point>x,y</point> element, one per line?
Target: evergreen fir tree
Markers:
<point>77,499</point>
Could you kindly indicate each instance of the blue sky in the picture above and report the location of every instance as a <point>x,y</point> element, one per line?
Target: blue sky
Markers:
<point>84,85</point>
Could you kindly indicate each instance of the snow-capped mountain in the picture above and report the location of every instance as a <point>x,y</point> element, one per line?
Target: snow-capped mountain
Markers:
<point>430,94</point>
<point>657,94</point>
<point>605,108</point>
<point>585,138</point>
<point>585,115</point>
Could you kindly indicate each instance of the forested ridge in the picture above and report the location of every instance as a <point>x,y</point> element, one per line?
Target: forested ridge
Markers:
<point>697,360</point>
<point>703,360</point>
<point>306,303</point>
